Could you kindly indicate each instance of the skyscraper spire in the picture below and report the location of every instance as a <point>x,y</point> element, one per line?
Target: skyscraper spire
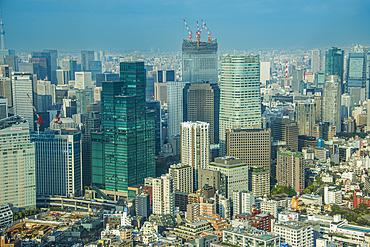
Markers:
<point>2,32</point>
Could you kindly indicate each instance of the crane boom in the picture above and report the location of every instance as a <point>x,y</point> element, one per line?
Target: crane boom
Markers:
<point>208,31</point>
<point>57,117</point>
<point>190,32</point>
<point>39,117</point>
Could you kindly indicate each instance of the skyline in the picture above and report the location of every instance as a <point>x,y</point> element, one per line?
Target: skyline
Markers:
<point>140,25</point>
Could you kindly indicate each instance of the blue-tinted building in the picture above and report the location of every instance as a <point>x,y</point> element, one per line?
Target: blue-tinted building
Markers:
<point>356,71</point>
<point>123,154</point>
<point>334,62</point>
<point>58,163</point>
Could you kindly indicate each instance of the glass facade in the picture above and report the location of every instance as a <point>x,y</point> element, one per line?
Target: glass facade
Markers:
<point>127,141</point>
<point>356,71</point>
<point>334,62</point>
<point>240,101</point>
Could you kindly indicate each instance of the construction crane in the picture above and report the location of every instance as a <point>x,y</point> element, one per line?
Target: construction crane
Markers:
<point>295,200</point>
<point>198,32</point>
<point>57,117</point>
<point>208,31</point>
<point>39,117</point>
<point>190,32</point>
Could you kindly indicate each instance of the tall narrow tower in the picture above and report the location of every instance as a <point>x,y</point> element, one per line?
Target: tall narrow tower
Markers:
<point>2,32</point>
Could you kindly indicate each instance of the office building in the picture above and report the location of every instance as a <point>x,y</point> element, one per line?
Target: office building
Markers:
<point>195,144</point>
<point>251,145</point>
<point>201,103</point>
<point>3,108</point>
<point>142,206</point>
<point>95,68</point>
<point>315,60</point>
<point>17,164</point>
<point>175,107</point>
<point>86,58</point>
<point>63,76</point>
<point>297,81</point>
<point>331,103</point>
<point>259,181</point>
<point>290,169</point>
<point>58,160</point>
<point>248,237</point>
<point>324,131</point>
<point>295,234</point>
<point>334,62</point>
<point>83,99</point>
<point>23,84</point>
<point>240,102</point>
<point>100,77</point>
<point>69,65</point>
<point>33,68</point>
<point>284,129</point>
<point>215,179</point>
<point>92,124</point>
<point>199,61</point>
<point>154,105</point>
<point>82,80</point>
<point>356,71</point>
<point>53,64</point>
<point>305,116</point>
<point>319,81</point>
<point>43,58</point>
<point>46,88</point>
<point>265,72</point>
<point>182,177</point>
<point>235,171</point>
<point>160,92</point>
<point>163,195</point>
<point>6,83</point>
<point>243,202</point>
<point>164,75</point>
<point>123,154</point>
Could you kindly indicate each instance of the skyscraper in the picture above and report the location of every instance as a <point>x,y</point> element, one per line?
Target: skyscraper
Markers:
<point>290,169</point>
<point>58,163</point>
<point>82,80</point>
<point>356,71</point>
<point>202,103</point>
<point>284,129</point>
<point>334,62</point>
<point>163,195</point>
<point>305,116</point>
<point>83,99</point>
<point>195,144</point>
<point>23,84</point>
<point>331,103</point>
<point>154,105</point>
<point>43,58</point>
<point>199,63</point>
<point>240,102</point>
<point>315,60</point>
<point>6,83</point>
<point>86,57</point>
<point>17,164</point>
<point>175,107</point>
<point>123,154</point>
<point>182,177</point>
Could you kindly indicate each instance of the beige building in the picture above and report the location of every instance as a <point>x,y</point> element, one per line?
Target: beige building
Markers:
<point>318,110</point>
<point>259,181</point>
<point>163,195</point>
<point>160,92</point>
<point>290,169</point>
<point>182,177</point>
<point>213,178</point>
<point>251,145</point>
<point>331,102</point>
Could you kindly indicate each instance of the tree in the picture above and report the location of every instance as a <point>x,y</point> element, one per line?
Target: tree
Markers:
<point>15,217</point>
<point>307,191</point>
<point>318,179</point>
<point>20,215</point>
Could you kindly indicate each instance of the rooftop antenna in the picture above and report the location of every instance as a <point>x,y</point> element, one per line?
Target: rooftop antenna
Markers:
<point>2,32</point>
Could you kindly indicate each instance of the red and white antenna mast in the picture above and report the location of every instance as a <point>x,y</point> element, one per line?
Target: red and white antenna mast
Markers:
<point>190,32</point>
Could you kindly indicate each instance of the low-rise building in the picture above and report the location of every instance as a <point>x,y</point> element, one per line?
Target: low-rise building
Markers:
<point>249,238</point>
<point>191,230</point>
<point>6,215</point>
<point>295,234</point>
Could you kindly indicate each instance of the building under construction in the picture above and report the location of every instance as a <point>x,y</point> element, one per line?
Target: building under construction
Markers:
<point>199,58</point>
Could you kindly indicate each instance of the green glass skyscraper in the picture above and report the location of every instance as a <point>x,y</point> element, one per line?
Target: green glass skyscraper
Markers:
<point>123,154</point>
<point>334,62</point>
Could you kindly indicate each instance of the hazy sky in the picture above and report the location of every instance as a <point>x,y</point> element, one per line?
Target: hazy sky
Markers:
<point>141,24</point>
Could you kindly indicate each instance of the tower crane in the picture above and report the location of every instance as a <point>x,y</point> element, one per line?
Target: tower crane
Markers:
<point>57,117</point>
<point>190,32</point>
<point>208,31</point>
<point>39,117</point>
<point>198,32</point>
